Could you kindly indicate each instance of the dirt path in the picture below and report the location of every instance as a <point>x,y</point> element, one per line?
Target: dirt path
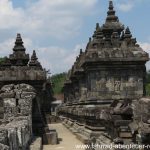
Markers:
<point>68,140</point>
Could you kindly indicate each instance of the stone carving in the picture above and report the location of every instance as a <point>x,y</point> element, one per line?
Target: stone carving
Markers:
<point>83,93</point>
<point>101,84</point>
<point>117,85</point>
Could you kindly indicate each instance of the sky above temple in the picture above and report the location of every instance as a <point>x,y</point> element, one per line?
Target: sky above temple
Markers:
<point>57,29</point>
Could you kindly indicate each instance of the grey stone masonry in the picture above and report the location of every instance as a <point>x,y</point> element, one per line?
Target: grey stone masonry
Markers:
<point>20,68</point>
<point>103,84</point>
<point>16,123</point>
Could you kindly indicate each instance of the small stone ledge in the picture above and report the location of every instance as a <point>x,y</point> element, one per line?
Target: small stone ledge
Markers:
<point>36,144</point>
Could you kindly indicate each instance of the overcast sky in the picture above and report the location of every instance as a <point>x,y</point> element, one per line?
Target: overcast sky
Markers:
<point>57,29</point>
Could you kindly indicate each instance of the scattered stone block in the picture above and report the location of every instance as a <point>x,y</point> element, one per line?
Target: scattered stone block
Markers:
<point>50,137</point>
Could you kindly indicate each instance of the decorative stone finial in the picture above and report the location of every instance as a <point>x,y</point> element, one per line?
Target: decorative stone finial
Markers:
<point>18,43</point>
<point>19,57</point>
<point>34,60</point>
<point>90,39</point>
<point>127,33</point>
<point>97,26</point>
<point>112,23</point>
<point>111,7</point>
<point>34,57</point>
<point>111,13</point>
<point>81,51</point>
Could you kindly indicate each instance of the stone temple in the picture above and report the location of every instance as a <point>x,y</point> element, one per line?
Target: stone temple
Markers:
<point>105,88</point>
<point>25,100</point>
<point>105,99</point>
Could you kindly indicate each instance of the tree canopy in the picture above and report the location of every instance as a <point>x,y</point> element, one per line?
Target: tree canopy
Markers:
<point>58,82</point>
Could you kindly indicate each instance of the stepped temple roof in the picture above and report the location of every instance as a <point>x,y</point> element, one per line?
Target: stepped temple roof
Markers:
<point>19,57</point>
<point>111,42</point>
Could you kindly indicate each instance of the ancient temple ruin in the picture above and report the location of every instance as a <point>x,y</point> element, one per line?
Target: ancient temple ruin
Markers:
<point>105,85</point>
<point>25,98</point>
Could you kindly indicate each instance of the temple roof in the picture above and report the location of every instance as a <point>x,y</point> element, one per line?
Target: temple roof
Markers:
<point>19,57</point>
<point>111,42</point>
<point>112,21</point>
<point>19,44</point>
<point>34,60</point>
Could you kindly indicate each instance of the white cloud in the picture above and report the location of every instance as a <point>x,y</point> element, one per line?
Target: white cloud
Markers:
<point>43,20</point>
<point>58,59</point>
<point>59,18</point>
<point>10,17</point>
<point>146,48</point>
<point>127,6</point>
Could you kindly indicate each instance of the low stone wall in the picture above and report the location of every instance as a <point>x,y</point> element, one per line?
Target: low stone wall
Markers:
<point>16,116</point>
<point>136,130</point>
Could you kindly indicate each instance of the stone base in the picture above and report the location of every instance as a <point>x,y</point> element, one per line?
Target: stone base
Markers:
<point>50,137</point>
<point>82,133</point>
<point>103,140</point>
<point>36,144</point>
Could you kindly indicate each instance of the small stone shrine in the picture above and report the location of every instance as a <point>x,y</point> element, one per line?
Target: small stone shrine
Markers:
<point>25,99</point>
<point>104,84</point>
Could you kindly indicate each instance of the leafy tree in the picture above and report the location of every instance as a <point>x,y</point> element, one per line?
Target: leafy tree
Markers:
<point>58,82</point>
<point>148,89</point>
<point>2,59</point>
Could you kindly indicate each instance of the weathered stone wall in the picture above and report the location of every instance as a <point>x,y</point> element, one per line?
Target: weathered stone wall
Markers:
<point>23,73</point>
<point>141,121</point>
<point>16,120</point>
<point>103,83</point>
<point>17,116</point>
